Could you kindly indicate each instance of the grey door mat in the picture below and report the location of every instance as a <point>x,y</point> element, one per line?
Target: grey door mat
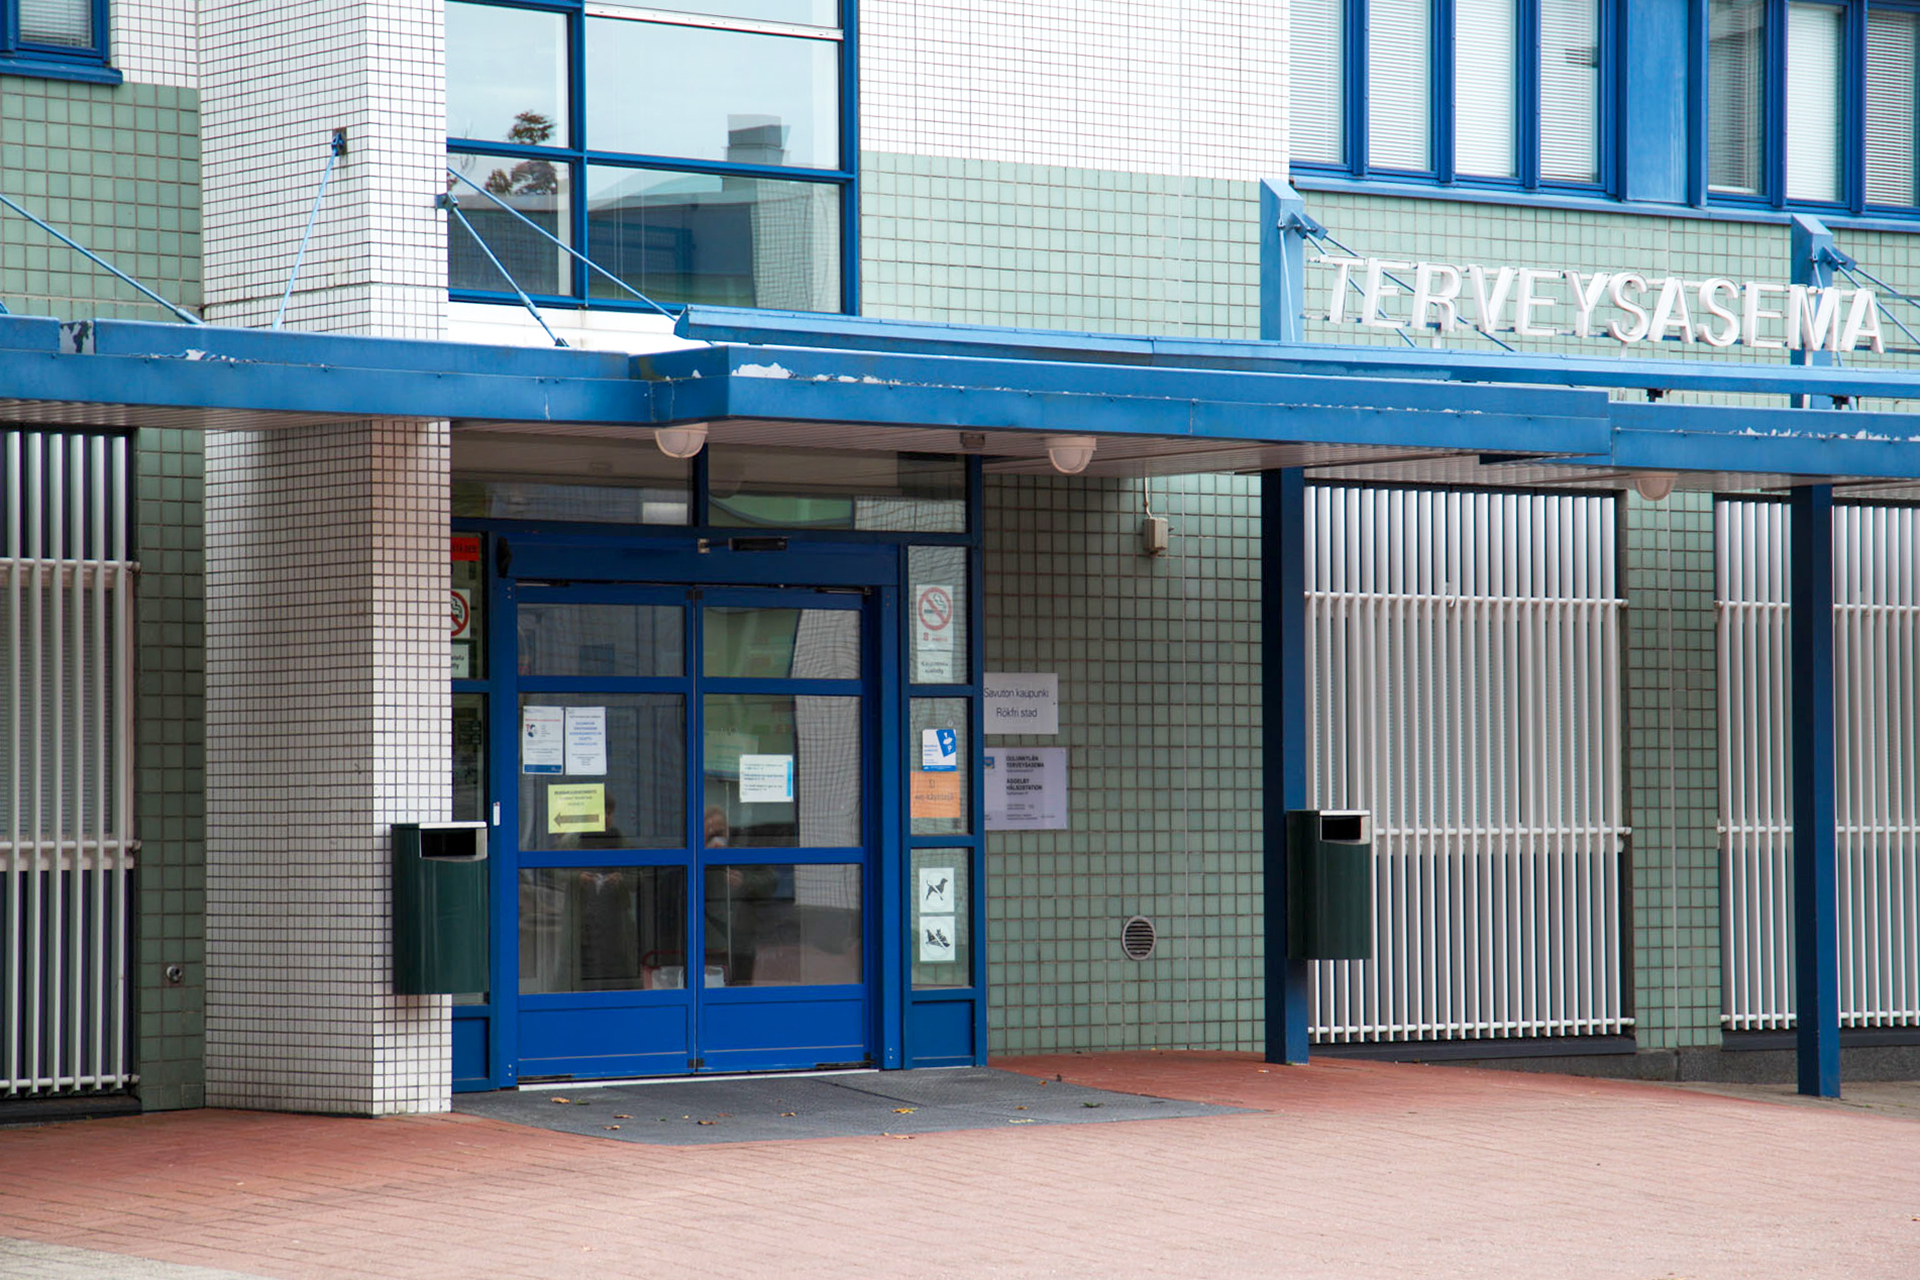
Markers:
<point>694,1112</point>
<point>28,1260</point>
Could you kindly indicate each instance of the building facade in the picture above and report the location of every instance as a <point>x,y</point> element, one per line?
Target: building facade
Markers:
<point>1328,292</point>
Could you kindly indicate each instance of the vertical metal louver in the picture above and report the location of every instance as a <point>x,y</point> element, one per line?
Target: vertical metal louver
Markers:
<point>1464,655</point>
<point>66,788</point>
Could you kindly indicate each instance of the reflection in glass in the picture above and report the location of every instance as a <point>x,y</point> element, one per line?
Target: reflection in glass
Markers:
<point>797,644</point>
<point>642,794</point>
<point>806,13</point>
<point>782,771</point>
<point>941,885</point>
<point>602,929</point>
<point>662,90</point>
<point>703,238</point>
<point>621,640</point>
<point>539,190</point>
<point>469,757</point>
<point>469,641</point>
<point>782,926</point>
<point>933,661</point>
<point>514,477</point>
<point>506,74</point>
<point>817,489</point>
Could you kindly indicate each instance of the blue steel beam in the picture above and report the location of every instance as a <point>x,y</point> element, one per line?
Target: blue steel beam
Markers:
<point>1283,736</point>
<point>1639,441</point>
<point>1815,901</point>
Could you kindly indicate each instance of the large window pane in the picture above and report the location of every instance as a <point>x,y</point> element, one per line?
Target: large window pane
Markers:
<point>1736,94</point>
<point>1891,71</point>
<point>1483,71</point>
<point>695,237</point>
<point>506,75</point>
<point>1399,84</point>
<point>1570,90</point>
<point>539,191</point>
<point>602,929</point>
<point>67,24</point>
<point>772,488</point>
<point>806,13</point>
<point>1317,30</point>
<point>631,794</point>
<point>530,477</point>
<point>622,641</point>
<point>663,90</point>
<point>781,771</point>
<point>1816,51</point>
<point>782,926</point>
<point>782,644</point>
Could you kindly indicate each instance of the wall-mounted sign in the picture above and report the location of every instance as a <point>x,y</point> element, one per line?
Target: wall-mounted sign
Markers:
<point>1026,789</point>
<point>1626,306</point>
<point>1022,702</point>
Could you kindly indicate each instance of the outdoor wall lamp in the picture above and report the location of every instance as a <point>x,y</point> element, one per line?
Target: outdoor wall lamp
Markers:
<point>681,442</point>
<point>1070,454</point>
<point>1654,486</point>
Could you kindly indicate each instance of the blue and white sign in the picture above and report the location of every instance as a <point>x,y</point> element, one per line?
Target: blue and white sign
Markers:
<point>766,779</point>
<point>939,750</point>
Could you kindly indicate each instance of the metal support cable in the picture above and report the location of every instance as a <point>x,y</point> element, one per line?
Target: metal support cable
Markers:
<point>1403,284</point>
<point>562,245</point>
<point>1352,283</point>
<point>1855,275</point>
<point>335,149</point>
<point>99,261</point>
<point>452,206</point>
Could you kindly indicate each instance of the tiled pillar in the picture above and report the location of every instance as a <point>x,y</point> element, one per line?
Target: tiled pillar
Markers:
<point>327,702</point>
<point>1673,771</point>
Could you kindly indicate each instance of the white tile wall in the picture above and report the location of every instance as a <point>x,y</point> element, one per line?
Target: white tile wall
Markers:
<point>278,77</point>
<point>1185,87</point>
<point>327,721</point>
<point>156,41</point>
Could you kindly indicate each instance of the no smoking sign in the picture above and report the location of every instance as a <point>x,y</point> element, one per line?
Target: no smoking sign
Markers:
<point>933,634</point>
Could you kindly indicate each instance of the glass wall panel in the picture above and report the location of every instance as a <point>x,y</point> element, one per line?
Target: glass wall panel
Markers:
<point>1892,71</point>
<point>469,757</point>
<point>602,929</point>
<point>1399,85</point>
<point>468,639</point>
<point>1570,90</point>
<point>782,644</point>
<point>782,771</point>
<point>524,477</point>
<point>808,13</point>
<point>630,794</point>
<point>941,766</point>
<point>506,74</point>
<point>658,89</point>
<point>937,652</point>
<point>1316,117</point>
<point>942,888</point>
<point>783,926</point>
<point>1816,52</point>
<point>753,487</point>
<point>1484,86</point>
<point>703,238</point>
<point>619,640</point>
<point>1736,94</point>
<point>539,190</point>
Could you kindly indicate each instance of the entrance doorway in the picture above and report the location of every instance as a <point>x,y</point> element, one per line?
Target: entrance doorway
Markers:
<point>694,844</point>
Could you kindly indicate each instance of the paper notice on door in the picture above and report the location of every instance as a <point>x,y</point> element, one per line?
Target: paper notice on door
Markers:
<point>936,795</point>
<point>936,939</point>
<point>766,779</point>
<point>939,750</point>
<point>543,747</point>
<point>587,741</point>
<point>576,808</point>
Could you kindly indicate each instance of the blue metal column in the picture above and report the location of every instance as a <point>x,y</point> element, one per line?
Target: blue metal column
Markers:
<point>1815,916</point>
<point>1283,631</point>
<point>1283,262</point>
<point>1812,256</point>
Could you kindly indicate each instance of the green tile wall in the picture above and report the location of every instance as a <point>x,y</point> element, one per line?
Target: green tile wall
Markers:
<point>117,168</point>
<point>1159,666</point>
<point>170,763</point>
<point>1673,795</point>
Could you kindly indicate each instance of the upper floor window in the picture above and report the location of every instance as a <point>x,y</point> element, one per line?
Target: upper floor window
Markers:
<point>701,153</point>
<point>1489,91</point>
<point>1839,78</point>
<point>49,35</point>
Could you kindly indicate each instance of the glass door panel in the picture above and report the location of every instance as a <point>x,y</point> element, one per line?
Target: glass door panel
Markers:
<point>602,771</point>
<point>782,771</point>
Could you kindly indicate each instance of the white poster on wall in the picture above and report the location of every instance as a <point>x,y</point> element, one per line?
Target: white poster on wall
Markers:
<point>1027,789</point>
<point>1022,701</point>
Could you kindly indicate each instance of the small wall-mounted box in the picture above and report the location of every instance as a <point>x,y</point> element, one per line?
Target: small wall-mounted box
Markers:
<point>439,908</point>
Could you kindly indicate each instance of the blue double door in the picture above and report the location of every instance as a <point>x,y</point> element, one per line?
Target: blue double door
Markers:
<point>695,833</point>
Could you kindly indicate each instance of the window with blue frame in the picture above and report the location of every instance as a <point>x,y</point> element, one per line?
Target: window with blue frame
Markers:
<point>53,37</point>
<point>1496,92</point>
<point>1812,104</point>
<point>702,153</point>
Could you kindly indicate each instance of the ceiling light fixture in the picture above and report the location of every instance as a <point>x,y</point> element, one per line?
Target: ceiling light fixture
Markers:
<point>1654,486</point>
<point>1070,454</point>
<point>681,442</point>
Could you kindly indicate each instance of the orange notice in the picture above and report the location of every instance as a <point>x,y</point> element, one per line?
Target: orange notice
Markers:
<point>936,795</point>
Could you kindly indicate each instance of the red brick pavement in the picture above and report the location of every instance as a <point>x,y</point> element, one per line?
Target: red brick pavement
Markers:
<point>1350,1170</point>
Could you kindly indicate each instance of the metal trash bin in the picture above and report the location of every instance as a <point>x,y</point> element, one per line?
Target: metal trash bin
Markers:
<point>439,908</point>
<point>1329,884</point>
